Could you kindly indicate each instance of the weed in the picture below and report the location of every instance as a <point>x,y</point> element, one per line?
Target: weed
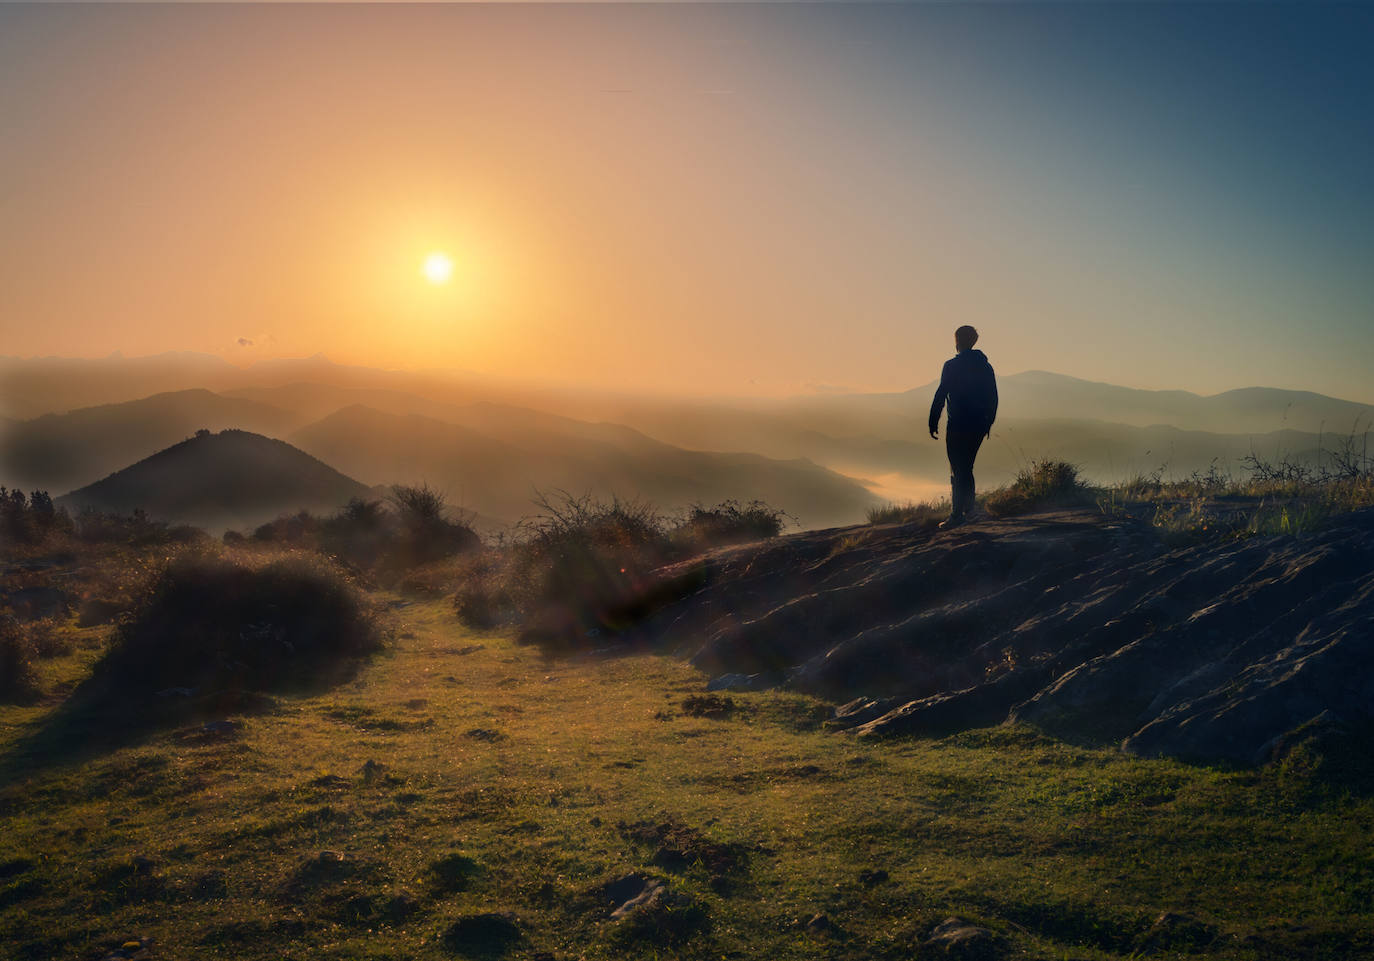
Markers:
<point>1043,483</point>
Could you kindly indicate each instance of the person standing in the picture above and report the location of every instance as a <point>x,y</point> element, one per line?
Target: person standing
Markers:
<point>969,387</point>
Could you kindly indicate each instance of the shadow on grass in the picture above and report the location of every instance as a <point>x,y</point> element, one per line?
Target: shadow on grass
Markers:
<point>101,716</point>
<point>213,637</point>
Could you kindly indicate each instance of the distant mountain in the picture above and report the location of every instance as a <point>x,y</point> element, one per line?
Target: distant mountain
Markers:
<point>58,452</point>
<point>231,479</point>
<point>31,386</point>
<point>497,457</point>
<point>598,439</point>
<point>1038,394</point>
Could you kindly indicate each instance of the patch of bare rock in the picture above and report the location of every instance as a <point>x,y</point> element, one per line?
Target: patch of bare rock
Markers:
<point>1088,626</point>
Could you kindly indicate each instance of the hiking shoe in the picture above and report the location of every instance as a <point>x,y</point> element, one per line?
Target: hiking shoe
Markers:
<point>954,520</point>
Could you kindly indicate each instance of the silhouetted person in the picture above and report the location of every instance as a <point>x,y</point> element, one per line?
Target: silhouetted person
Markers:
<point>969,387</point>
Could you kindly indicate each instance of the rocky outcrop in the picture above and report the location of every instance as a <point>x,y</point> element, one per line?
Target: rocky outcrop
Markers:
<point>1088,626</point>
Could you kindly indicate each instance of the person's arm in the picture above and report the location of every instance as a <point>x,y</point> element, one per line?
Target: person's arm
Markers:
<point>992,407</point>
<point>938,404</point>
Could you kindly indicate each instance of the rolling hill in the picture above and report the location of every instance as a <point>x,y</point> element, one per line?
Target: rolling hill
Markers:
<point>58,452</point>
<point>231,479</point>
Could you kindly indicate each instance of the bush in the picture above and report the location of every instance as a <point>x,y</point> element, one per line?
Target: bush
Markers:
<point>485,597</point>
<point>17,679</point>
<point>230,625</point>
<point>135,530</point>
<point>367,536</point>
<point>582,568</point>
<point>47,640</point>
<point>1044,483</point>
<point>728,523</point>
<point>581,561</point>
<point>427,532</point>
<point>297,530</point>
<point>359,533</point>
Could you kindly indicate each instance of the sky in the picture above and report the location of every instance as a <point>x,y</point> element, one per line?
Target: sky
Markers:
<point>698,198</point>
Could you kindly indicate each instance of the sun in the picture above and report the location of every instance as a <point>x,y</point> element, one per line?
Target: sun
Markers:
<point>437,268</point>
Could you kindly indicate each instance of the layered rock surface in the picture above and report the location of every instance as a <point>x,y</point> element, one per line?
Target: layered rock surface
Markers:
<point>1087,626</point>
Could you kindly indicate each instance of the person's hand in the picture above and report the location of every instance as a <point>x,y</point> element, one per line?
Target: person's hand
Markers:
<point>934,434</point>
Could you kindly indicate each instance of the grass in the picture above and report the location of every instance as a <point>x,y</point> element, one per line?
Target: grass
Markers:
<point>927,514</point>
<point>1271,499</point>
<point>1268,501</point>
<point>466,796</point>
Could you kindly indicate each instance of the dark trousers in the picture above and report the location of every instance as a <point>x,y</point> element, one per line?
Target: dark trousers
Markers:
<point>962,447</point>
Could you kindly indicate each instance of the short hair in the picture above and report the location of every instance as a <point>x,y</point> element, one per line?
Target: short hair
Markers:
<point>965,337</point>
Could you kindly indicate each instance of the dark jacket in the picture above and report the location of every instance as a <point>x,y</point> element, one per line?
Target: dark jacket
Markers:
<point>969,386</point>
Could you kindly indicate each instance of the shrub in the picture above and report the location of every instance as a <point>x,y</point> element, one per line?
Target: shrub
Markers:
<point>367,536</point>
<point>728,523</point>
<point>17,679</point>
<point>1044,483</point>
<point>581,561</point>
<point>232,625</point>
<point>47,640</point>
<point>135,530</point>
<point>485,597</point>
<point>360,533</point>
<point>299,529</point>
<point>426,531</point>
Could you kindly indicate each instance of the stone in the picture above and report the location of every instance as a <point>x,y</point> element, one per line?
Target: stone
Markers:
<point>957,938</point>
<point>1090,627</point>
<point>652,892</point>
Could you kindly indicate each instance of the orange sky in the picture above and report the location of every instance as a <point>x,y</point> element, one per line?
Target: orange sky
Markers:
<point>700,198</point>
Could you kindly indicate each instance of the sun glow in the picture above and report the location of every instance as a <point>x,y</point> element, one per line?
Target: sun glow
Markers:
<point>437,268</point>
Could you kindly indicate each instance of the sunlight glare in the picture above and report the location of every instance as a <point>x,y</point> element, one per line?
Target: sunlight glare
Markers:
<point>437,268</point>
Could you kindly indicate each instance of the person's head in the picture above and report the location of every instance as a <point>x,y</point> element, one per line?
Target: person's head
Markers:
<point>965,337</point>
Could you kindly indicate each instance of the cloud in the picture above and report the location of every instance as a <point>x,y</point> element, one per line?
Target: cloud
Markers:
<point>245,342</point>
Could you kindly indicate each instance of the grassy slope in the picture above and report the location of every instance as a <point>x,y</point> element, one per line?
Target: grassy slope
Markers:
<point>526,766</point>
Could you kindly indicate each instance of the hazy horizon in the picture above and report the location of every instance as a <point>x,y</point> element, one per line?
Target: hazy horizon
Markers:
<point>698,200</point>
<point>515,382</point>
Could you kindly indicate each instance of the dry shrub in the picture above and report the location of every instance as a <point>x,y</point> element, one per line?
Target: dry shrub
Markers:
<point>581,562</point>
<point>727,523</point>
<point>18,682</point>
<point>1043,483</point>
<point>243,624</point>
